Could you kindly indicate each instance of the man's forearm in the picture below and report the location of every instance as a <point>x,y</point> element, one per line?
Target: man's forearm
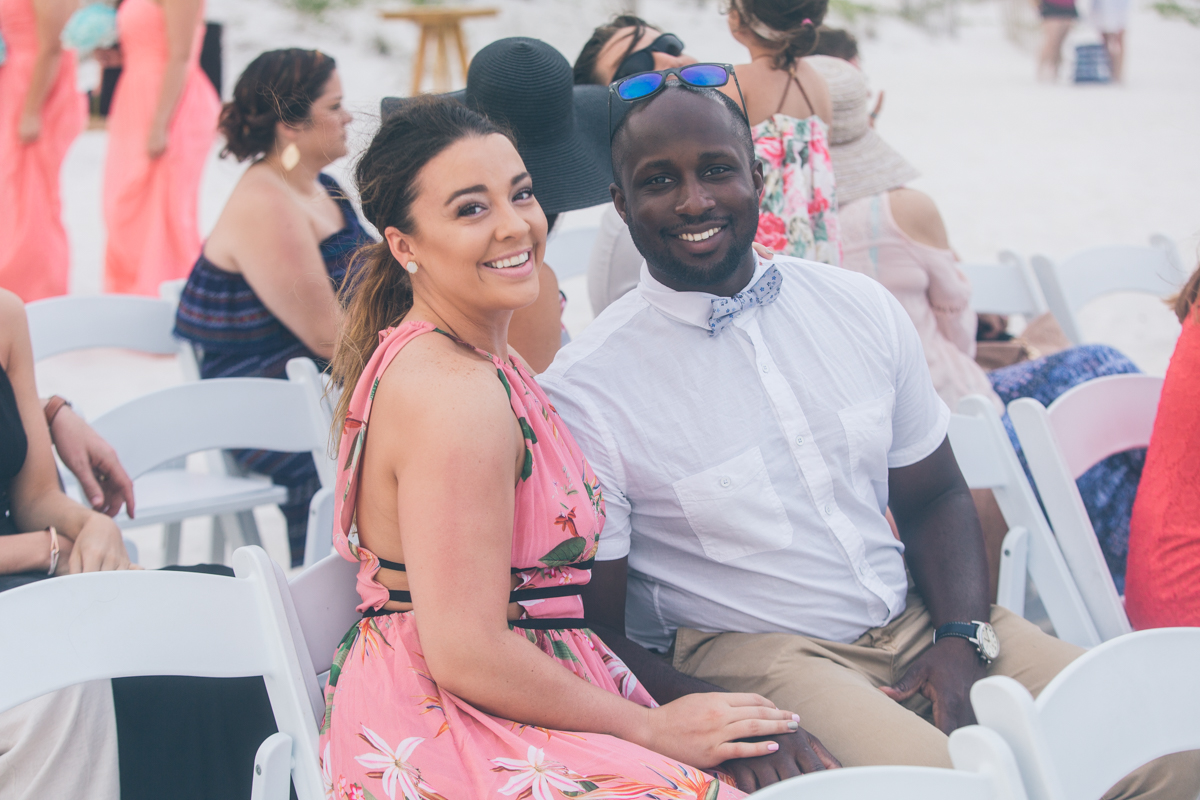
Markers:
<point>661,680</point>
<point>946,556</point>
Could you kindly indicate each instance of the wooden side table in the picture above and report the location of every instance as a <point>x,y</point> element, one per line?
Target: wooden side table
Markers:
<point>441,25</point>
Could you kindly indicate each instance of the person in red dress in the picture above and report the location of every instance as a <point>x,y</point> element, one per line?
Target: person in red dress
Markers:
<point>1162,584</point>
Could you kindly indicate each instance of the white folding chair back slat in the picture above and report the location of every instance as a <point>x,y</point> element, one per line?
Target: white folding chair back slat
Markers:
<point>117,624</point>
<point>1084,425</point>
<point>1072,284</point>
<point>569,251</point>
<point>63,324</point>
<point>223,413</point>
<point>1104,416</point>
<point>1127,702</point>
<point>987,461</point>
<point>1009,287</point>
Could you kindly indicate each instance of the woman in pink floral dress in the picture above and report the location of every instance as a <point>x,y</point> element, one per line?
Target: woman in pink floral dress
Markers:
<point>475,518</point>
<point>789,110</point>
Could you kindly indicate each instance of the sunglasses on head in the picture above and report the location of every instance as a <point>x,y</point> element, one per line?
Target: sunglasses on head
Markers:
<point>643,60</point>
<point>647,84</point>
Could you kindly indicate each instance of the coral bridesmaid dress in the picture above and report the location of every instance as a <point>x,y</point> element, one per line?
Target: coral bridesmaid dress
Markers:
<point>151,207</point>
<point>34,255</point>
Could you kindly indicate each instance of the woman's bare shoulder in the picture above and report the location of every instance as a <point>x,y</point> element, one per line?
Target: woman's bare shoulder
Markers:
<point>917,215</point>
<point>434,382</point>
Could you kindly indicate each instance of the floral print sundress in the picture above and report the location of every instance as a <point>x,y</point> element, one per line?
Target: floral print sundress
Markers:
<point>389,731</point>
<point>798,212</point>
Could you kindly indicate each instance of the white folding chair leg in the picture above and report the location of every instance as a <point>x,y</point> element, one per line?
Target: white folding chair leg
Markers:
<point>272,768</point>
<point>1014,564</point>
<point>172,532</point>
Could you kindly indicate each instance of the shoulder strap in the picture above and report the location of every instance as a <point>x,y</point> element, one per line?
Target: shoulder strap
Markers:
<point>354,430</point>
<point>793,79</point>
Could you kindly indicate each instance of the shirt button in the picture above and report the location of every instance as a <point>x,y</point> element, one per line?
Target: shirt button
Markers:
<point>799,440</point>
<point>766,368</point>
<point>725,482</point>
<point>828,509</point>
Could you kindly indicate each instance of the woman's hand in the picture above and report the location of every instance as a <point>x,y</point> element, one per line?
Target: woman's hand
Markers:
<point>702,729</point>
<point>93,461</point>
<point>108,57</point>
<point>29,128</point>
<point>156,142</point>
<point>99,546</point>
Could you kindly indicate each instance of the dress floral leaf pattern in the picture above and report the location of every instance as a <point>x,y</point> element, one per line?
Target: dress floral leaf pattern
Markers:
<point>798,211</point>
<point>391,732</point>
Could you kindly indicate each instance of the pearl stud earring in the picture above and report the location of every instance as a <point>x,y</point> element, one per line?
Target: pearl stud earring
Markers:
<point>411,267</point>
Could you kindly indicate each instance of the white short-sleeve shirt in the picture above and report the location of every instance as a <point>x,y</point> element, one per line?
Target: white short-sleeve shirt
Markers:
<point>746,474</point>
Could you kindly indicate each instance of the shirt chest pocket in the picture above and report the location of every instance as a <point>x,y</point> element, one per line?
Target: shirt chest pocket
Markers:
<point>733,508</point>
<point>868,428</point>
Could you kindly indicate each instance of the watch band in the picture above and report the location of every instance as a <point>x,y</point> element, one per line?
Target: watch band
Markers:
<point>962,630</point>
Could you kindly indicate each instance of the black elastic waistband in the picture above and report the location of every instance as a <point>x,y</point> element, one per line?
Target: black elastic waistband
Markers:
<point>396,565</point>
<point>544,624</point>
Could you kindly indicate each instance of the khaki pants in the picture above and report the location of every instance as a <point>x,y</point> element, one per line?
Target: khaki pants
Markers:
<point>834,688</point>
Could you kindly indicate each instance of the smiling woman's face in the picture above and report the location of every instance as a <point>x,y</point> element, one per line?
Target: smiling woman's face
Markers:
<point>615,49</point>
<point>479,234</point>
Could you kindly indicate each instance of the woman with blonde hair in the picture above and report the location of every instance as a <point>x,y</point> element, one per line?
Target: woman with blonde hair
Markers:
<point>475,518</point>
<point>788,107</point>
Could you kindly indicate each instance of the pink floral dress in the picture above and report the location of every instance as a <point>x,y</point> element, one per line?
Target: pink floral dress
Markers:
<point>798,212</point>
<point>389,731</point>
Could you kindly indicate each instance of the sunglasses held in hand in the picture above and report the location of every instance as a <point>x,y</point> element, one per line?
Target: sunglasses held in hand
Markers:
<point>647,84</point>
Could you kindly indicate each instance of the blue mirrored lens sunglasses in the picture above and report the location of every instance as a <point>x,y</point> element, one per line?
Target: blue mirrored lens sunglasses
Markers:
<point>647,84</point>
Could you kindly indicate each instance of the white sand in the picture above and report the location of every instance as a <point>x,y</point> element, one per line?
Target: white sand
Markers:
<point>1013,164</point>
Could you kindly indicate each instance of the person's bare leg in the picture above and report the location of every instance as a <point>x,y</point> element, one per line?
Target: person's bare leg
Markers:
<point>1054,33</point>
<point>1115,44</point>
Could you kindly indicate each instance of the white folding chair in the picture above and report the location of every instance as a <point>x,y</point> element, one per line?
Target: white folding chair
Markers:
<point>1082,427</point>
<point>1083,277</point>
<point>142,324</point>
<point>116,624</point>
<point>984,770</point>
<point>1008,287</point>
<point>987,461</point>
<point>568,251</point>
<point>223,413</point>
<point>1119,706</point>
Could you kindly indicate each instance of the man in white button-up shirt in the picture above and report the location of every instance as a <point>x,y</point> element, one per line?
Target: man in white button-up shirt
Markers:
<point>750,421</point>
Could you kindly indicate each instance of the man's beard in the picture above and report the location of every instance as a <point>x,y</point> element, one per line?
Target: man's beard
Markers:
<point>657,252</point>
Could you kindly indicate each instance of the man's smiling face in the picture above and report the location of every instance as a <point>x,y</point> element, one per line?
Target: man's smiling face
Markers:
<point>688,188</point>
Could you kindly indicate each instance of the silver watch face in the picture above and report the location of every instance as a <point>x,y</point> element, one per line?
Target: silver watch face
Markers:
<point>989,645</point>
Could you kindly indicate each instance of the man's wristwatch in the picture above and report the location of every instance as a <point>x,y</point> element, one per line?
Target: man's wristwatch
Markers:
<point>980,634</point>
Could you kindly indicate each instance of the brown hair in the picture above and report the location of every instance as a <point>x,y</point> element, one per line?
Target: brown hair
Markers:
<point>1185,301</point>
<point>835,42</point>
<point>585,65</point>
<point>377,292</point>
<point>795,21</point>
<point>278,86</point>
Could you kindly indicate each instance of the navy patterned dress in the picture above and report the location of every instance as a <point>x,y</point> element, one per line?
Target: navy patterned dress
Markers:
<point>238,336</point>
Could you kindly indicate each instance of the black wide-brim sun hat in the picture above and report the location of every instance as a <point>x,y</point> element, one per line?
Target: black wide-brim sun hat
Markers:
<point>561,129</point>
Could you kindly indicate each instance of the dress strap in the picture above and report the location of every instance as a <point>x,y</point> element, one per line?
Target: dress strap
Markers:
<point>793,79</point>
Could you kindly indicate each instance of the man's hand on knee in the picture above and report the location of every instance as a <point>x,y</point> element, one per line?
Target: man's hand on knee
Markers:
<point>945,674</point>
<point>798,753</point>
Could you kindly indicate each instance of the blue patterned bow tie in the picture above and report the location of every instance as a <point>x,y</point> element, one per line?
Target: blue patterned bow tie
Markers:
<point>724,309</point>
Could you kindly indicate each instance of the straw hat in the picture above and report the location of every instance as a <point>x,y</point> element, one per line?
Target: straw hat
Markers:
<point>863,164</point>
<point>561,129</point>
